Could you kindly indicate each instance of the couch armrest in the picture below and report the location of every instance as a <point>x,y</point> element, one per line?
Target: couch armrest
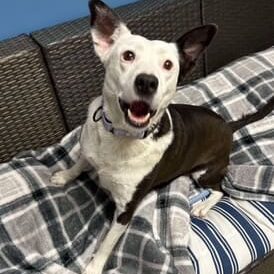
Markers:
<point>29,115</point>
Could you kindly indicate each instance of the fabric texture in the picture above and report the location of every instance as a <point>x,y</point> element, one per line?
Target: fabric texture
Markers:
<point>236,90</point>
<point>50,229</point>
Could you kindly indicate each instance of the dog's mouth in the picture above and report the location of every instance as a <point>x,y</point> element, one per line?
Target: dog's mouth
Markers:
<point>137,113</point>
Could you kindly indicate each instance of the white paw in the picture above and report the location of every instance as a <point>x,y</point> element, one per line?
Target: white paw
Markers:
<point>60,178</point>
<point>96,266</point>
<point>200,210</point>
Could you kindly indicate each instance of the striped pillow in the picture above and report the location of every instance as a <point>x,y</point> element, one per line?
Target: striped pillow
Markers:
<point>234,234</point>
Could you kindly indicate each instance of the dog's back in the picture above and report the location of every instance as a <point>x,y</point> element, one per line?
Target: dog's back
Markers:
<point>202,140</point>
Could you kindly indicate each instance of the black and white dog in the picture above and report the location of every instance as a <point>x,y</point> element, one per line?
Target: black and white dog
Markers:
<point>133,136</point>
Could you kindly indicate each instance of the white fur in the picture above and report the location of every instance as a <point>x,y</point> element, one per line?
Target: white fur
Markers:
<point>120,75</point>
<point>65,176</point>
<point>201,209</point>
<point>150,57</point>
<point>121,163</point>
<point>97,264</point>
<point>102,44</point>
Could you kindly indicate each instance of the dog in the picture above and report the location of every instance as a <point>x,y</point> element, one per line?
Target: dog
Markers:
<point>134,137</point>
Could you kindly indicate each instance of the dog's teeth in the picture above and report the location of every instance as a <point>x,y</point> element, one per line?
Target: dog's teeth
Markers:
<point>138,120</point>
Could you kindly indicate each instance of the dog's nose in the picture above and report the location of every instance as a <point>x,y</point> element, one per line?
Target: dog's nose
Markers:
<point>146,84</point>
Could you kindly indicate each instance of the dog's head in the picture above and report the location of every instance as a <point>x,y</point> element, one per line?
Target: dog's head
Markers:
<point>140,74</point>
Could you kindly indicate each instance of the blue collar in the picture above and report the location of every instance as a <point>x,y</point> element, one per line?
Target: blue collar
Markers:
<point>121,132</point>
<point>117,131</point>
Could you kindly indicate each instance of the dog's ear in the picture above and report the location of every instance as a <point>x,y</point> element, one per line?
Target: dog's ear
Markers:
<point>106,27</point>
<point>192,45</point>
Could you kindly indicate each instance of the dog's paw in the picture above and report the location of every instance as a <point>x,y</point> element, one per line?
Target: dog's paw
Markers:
<point>96,266</point>
<point>60,178</point>
<point>201,209</point>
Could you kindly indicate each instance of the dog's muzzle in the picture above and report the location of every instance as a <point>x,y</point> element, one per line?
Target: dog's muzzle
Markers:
<point>137,113</point>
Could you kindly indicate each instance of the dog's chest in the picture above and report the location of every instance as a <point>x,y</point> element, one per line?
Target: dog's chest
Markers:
<point>121,163</point>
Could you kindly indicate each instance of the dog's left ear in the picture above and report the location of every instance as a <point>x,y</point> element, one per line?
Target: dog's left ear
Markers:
<point>192,45</point>
<point>106,27</point>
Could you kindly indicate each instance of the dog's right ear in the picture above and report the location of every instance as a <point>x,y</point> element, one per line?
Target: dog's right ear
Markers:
<point>106,28</point>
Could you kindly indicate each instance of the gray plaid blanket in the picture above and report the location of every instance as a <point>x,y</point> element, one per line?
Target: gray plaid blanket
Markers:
<point>48,229</point>
<point>233,91</point>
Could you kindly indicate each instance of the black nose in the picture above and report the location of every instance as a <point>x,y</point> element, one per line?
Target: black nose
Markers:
<point>146,84</point>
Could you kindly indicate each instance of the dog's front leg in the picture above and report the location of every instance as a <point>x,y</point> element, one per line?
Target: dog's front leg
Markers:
<point>67,175</point>
<point>96,266</point>
<point>119,224</point>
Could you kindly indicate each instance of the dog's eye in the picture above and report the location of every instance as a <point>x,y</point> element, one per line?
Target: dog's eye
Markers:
<point>168,65</point>
<point>129,56</point>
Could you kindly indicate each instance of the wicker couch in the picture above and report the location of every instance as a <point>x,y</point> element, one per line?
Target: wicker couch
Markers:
<point>48,78</point>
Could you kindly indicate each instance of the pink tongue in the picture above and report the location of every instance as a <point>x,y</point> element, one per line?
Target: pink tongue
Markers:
<point>139,108</point>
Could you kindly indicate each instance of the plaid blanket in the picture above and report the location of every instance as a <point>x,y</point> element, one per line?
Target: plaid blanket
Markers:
<point>49,229</point>
<point>233,91</point>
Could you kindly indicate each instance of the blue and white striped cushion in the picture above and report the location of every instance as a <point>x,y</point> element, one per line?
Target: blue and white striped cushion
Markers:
<point>234,234</point>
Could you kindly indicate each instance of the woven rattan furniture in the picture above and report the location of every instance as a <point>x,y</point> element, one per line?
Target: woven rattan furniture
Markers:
<point>29,114</point>
<point>244,27</point>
